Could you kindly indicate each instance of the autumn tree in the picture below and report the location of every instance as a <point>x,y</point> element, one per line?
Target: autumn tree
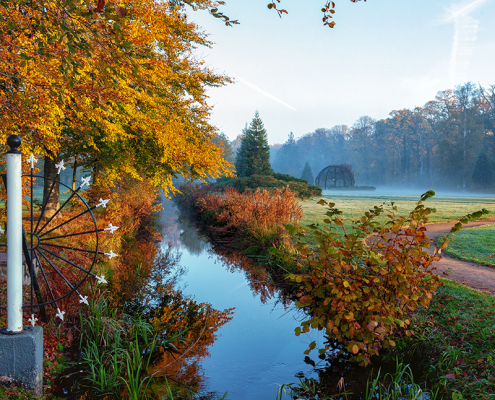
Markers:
<point>118,89</point>
<point>253,157</point>
<point>361,145</point>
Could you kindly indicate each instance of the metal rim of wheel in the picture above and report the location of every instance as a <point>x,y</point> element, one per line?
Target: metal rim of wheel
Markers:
<point>47,265</point>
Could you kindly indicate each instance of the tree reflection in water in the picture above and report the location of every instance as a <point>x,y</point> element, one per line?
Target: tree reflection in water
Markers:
<point>259,279</point>
<point>177,231</point>
<point>146,284</point>
<point>198,324</point>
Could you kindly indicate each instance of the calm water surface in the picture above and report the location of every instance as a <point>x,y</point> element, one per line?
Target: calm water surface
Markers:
<point>257,350</point>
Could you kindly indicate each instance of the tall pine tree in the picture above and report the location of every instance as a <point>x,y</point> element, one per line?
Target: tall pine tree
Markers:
<point>307,174</point>
<point>253,157</point>
<point>483,171</point>
<point>287,159</point>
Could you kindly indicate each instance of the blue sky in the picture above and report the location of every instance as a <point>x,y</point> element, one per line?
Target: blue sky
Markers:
<point>382,55</point>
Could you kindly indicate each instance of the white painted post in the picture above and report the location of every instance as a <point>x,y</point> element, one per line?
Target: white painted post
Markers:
<point>14,235</point>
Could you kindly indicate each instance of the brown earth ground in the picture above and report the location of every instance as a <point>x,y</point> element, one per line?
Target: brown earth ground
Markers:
<point>468,273</point>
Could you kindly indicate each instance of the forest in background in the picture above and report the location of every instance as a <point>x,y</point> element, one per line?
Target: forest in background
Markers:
<point>447,144</point>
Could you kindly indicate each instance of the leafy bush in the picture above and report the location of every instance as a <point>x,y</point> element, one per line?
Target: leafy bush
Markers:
<point>271,182</point>
<point>256,217</point>
<point>359,293</point>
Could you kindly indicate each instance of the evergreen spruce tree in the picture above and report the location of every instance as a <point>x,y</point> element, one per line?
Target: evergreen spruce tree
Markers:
<point>483,171</point>
<point>287,160</point>
<point>241,154</point>
<point>307,174</point>
<point>253,157</point>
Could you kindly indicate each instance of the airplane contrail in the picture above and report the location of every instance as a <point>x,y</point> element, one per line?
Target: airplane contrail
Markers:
<point>464,10</point>
<point>271,96</point>
<point>464,39</point>
<point>463,44</point>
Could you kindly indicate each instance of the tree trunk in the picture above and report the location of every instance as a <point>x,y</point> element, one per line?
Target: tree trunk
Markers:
<point>421,153</point>
<point>51,189</point>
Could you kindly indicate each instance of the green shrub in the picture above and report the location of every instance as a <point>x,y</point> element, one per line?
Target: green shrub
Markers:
<point>270,182</point>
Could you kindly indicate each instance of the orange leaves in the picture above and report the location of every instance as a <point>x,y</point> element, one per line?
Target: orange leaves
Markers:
<point>257,216</point>
<point>362,297</point>
<point>126,94</point>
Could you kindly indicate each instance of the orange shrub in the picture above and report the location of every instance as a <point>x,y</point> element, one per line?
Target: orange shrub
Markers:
<point>360,295</point>
<point>257,217</point>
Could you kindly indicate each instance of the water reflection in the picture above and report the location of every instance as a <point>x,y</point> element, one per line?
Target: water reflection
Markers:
<point>199,323</point>
<point>177,231</point>
<point>148,283</point>
<point>257,350</point>
<point>258,278</point>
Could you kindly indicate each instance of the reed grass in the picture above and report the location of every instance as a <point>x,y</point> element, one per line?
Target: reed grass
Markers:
<point>117,352</point>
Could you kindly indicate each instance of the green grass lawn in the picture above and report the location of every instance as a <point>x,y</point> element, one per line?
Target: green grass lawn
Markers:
<point>474,244</point>
<point>354,206</point>
<point>455,338</point>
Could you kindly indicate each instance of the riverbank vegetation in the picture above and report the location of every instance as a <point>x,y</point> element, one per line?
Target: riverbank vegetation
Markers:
<point>299,187</point>
<point>383,298</point>
<point>253,221</point>
<point>359,293</point>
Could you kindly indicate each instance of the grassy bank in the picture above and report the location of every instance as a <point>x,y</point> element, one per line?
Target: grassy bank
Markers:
<point>455,338</point>
<point>353,206</point>
<point>474,244</point>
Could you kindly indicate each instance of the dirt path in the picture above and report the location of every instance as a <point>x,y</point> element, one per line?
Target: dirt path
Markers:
<point>468,273</point>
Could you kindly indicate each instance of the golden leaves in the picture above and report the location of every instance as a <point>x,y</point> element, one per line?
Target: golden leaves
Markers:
<point>132,85</point>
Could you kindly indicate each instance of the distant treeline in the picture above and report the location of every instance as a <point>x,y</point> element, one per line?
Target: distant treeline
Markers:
<point>448,143</point>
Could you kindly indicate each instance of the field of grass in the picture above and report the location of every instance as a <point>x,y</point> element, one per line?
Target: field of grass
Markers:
<point>355,205</point>
<point>455,338</point>
<point>474,244</point>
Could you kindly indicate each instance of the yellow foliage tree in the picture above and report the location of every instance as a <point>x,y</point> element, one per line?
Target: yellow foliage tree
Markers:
<point>116,84</point>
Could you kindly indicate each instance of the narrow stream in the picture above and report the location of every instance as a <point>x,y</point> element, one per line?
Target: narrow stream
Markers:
<point>257,350</point>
